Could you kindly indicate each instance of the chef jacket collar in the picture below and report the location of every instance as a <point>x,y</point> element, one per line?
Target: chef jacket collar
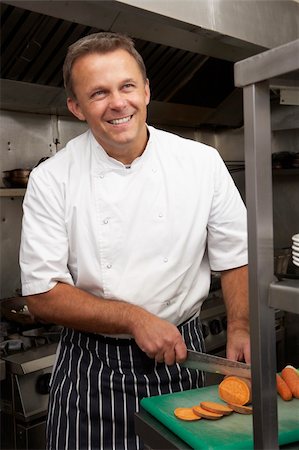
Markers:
<point>107,163</point>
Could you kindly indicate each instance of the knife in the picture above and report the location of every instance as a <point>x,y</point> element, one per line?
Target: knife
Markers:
<point>216,364</point>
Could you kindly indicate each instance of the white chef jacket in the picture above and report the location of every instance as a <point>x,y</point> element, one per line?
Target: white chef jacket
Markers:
<point>148,234</point>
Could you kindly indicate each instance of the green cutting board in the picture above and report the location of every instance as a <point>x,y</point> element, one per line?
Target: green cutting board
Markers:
<point>234,432</point>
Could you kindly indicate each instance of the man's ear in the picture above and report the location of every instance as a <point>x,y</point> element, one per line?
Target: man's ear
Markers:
<point>75,109</point>
<point>147,91</point>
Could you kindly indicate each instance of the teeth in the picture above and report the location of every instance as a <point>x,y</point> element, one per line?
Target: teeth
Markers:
<point>119,121</point>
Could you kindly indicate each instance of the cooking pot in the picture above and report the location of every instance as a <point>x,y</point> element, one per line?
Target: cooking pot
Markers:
<point>16,178</point>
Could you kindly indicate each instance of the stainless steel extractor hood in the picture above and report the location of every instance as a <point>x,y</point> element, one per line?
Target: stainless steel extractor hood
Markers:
<point>189,48</point>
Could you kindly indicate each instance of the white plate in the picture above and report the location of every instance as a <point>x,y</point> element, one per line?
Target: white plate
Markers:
<point>295,247</point>
<point>295,253</point>
<point>296,263</point>
<point>295,260</point>
<point>295,238</point>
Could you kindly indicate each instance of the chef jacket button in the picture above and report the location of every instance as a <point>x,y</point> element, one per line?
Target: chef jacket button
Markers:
<point>102,175</point>
<point>168,303</point>
<point>165,260</point>
<point>109,266</point>
<point>160,215</point>
<point>154,169</point>
<point>105,221</point>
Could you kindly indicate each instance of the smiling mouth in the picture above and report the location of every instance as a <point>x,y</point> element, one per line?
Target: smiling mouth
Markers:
<point>120,121</point>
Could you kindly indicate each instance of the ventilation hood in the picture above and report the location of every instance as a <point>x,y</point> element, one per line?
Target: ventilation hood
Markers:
<point>189,51</point>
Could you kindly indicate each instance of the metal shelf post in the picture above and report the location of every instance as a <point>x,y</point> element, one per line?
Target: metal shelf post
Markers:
<point>265,293</point>
<point>258,176</point>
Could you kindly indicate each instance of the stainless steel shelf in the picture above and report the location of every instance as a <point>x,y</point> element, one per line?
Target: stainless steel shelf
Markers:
<point>12,192</point>
<point>287,172</point>
<point>284,295</point>
<point>264,66</point>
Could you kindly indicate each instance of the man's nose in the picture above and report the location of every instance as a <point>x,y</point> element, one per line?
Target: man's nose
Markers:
<point>117,100</point>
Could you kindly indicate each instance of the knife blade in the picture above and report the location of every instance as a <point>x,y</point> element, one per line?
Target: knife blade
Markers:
<point>216,364</point>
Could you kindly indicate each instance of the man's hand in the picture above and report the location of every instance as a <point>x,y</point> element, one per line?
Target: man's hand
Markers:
<point>159,339</point>
<point>238,343</point>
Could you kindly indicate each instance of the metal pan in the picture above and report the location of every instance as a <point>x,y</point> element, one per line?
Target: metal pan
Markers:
<point>16,178</point>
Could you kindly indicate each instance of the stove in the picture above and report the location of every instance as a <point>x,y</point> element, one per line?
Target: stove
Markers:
<point>27,358</point>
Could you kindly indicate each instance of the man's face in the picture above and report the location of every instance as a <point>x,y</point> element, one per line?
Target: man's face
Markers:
<point>112,96</point>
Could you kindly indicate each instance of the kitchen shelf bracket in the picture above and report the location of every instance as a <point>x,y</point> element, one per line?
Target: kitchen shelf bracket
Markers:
<point>284,295</point>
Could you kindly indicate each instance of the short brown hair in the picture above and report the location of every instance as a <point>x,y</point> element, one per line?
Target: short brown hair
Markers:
<point>103,42</point>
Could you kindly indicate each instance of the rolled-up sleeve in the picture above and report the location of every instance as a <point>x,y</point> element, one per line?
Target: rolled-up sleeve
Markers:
<point>44,240</point>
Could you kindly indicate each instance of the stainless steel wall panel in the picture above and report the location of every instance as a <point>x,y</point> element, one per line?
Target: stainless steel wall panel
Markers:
<point>68,128</point>
<point>10,230</point>
<point>24,140</point>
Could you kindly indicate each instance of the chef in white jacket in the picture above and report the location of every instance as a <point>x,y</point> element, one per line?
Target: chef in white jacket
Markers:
<point>121,230</point>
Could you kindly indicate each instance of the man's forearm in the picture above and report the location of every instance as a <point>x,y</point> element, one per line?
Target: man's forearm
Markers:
<point>74,308</point>
<point>234,285</point>
<point>235,292</point>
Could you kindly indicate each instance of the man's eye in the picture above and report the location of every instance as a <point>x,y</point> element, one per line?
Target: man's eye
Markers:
<point>98,94</point>
<point>128,86</point>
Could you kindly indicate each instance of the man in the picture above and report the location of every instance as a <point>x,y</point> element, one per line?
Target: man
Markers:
<point>121,229</point>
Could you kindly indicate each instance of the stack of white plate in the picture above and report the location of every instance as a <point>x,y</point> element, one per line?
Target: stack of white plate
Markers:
<point>295,249</point>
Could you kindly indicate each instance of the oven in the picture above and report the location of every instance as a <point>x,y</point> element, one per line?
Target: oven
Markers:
<point>27,359</point>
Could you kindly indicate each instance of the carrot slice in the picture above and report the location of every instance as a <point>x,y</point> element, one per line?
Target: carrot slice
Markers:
<point>283,389</point>
<point>185,414</point>
<point>291,377</point>
<point>241,409</point>
<point>235,390</point>
<point>217,408</point>
<point>199,411</point>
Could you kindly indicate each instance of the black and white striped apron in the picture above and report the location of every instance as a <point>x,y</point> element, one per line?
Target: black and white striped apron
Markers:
<point>97,386</point>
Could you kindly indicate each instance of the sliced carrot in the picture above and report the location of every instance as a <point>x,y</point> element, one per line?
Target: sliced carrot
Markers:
<point>283,389</point>
<point>217,408</point>
<point>185,414</point>
<point>199,411</point>
<point>291,377</point>
<point>235,390</point>
<point>241,409</point>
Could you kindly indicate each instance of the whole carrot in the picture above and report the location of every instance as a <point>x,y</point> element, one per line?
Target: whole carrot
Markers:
<point>291,377</point>
<point>283,389</point>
